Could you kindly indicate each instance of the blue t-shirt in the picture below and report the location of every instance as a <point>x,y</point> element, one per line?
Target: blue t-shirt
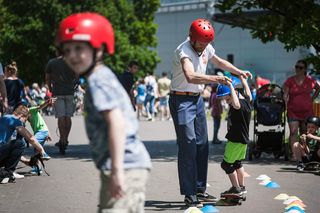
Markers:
<point>104,92</point>
<point>8,125</point>
<point>141,90</point>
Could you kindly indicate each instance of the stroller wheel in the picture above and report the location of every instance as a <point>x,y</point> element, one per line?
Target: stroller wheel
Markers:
<point>257,154</point>
<point>276,154</point>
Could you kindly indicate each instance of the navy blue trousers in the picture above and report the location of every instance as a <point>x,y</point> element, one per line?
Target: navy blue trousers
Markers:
<point>10,154</point>
<point>190,123</point>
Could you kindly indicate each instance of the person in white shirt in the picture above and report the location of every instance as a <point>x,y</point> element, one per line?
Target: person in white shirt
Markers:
<point>151,89</point>
<point>187,108</point>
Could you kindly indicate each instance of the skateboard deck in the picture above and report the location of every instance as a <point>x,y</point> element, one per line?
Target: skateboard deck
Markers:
<point>230,200</point>
<point>312,166</point>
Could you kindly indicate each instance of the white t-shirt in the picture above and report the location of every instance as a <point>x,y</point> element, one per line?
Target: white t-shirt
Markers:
<point>151,85</point>
<point>184,50</point>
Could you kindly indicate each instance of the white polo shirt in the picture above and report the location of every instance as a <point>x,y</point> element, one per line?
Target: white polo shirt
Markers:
<point>185,50</point>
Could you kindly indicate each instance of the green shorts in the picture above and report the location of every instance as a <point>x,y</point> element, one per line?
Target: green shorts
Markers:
<point>234,151</point>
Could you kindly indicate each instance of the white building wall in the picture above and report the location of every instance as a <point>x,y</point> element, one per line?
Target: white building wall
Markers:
<point>269,60</point>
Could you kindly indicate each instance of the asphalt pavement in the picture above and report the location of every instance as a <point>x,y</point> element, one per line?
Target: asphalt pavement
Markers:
<point>73,184</point>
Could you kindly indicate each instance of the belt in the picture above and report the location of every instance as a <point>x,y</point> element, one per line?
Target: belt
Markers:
<point>185,93</point>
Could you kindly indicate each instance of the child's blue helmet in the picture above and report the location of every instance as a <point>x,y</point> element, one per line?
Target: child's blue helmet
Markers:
<point>236,83</point>
<point>223,90</point>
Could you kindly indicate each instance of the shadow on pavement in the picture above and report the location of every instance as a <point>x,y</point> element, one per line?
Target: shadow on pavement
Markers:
<point>160,151</point>
<point>166,151</point>
<point>73,152</point>
<point>166,206</point>
<point>294,170</point>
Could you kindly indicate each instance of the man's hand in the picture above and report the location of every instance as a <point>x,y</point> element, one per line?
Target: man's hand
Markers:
<point>245,75</point>
<point>117,182</point>
<point>242,78</point>
<point>224,80</point>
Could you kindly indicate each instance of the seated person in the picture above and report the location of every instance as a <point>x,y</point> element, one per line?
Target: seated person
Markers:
<point>12,144</point>
<point>308,149</point>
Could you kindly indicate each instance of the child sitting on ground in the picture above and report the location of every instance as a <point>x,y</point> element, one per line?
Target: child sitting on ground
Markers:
<point>238,133</point>
<point>308,149</point>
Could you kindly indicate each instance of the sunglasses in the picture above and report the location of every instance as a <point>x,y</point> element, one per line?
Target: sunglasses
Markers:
<point>299,67</point>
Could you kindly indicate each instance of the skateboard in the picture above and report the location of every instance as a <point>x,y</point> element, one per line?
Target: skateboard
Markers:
<point>230,200</point>
<point>312,166</point>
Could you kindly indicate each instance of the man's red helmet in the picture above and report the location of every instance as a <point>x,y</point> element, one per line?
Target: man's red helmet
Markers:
<point>89,27</point>
<point>201,30</point>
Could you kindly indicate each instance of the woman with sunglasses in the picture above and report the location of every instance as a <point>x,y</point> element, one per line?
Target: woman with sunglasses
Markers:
<point>297,94</point>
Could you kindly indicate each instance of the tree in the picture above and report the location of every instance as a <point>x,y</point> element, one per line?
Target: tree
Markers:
<point>28,29</point>
<point>295,23</point>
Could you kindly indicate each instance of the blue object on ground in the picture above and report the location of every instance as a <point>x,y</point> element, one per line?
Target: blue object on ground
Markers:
<point>209,209</point>
<point>273,185</point>
<point>297,208</point>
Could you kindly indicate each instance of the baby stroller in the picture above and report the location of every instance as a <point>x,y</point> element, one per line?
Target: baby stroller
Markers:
<point>269,123</point>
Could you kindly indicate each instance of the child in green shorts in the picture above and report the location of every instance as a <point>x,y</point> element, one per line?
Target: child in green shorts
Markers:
<point>238,132</point>
<point>39,127</point>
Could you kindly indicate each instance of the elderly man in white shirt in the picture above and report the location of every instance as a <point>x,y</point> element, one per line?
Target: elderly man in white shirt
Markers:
<point>187,108</point>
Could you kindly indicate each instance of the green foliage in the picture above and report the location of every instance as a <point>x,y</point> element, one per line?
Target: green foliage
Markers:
<point>28,29</point>
<point>293,22</point>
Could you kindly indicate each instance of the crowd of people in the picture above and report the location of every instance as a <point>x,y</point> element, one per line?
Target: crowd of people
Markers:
<point>18,93</point>
<point>112,112</point>
<point>149,95</point>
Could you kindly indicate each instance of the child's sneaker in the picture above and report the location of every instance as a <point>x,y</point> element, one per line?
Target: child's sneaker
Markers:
<point>34,171</point>
<point>205,197</point>
<point>192,201</point>
<point>17,175</point>
<point>233,191</point>
<point>300,166</point>
<point>243,190</point>
<point>45,156</point>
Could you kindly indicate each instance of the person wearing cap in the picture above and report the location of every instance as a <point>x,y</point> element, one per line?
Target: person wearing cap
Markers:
<point>240,102</point>
<point>307,149</point>
<point>111,122</point>
<point>190,61</point>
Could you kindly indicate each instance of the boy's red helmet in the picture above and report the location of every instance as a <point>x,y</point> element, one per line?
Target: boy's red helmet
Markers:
<point>89,27</point>
<point>201,30</point>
